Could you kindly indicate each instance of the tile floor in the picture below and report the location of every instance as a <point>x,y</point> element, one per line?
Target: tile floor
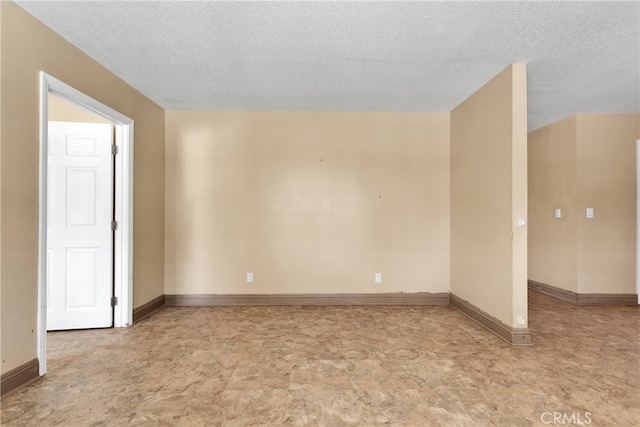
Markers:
<point>413,366</point>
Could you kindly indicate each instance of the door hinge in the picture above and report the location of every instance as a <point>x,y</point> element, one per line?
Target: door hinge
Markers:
<point>115,149</point>
<point>114,225</point>
<point>114,301</point>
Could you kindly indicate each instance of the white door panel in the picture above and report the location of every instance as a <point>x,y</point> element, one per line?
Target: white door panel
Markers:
<point>81,197</point>
<point>79,235</point>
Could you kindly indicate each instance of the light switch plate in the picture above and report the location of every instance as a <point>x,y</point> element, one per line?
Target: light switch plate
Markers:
<point>558,213</point>
<point>590,213</point>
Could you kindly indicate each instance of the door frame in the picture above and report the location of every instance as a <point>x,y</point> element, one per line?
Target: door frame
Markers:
<point>638,221</point>
<point>123,235</point>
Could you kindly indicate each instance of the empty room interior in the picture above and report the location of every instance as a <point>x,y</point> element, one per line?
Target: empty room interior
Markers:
<point>319,213</point>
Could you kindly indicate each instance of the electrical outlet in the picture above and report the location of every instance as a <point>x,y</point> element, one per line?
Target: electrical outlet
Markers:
<point>378,278</point>
<point>249,277</point>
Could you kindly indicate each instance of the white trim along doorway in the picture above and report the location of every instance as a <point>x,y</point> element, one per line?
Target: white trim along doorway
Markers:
<point>123,210</point>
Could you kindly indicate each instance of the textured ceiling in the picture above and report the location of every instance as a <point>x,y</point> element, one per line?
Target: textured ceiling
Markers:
<point>389,56</point>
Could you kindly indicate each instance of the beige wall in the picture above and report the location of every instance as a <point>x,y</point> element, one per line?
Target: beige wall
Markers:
<point>28,47</point>
<point>520,199</point>
<point>606,182</point>
<point>585,160</point>
<point>553,257</point>
<point>1,369</point>
<point>61,110</point>
<point>488,195</point>
<point>310,202</point>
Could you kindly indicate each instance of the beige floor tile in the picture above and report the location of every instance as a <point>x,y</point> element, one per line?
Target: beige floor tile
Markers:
<point>405,366</point>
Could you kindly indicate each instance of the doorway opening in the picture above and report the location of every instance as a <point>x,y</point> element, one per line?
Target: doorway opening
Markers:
<point>86,178</point>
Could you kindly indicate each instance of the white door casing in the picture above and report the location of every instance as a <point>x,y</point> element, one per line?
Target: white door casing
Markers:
<point>123,236</point>
<point>79,234</point>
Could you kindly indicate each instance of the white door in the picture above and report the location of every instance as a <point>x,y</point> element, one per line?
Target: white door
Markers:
<point>79,234</point>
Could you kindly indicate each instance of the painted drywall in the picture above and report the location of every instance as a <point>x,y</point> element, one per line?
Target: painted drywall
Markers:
<point>519,201</point>
<point>585,160</point>
<point>607,183</point>
<point>488,195</point>
<point>27,48</point>
<point>553,257</point>
<point>61,110</point>
<point>1,369</point>
<point>310,202</point>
